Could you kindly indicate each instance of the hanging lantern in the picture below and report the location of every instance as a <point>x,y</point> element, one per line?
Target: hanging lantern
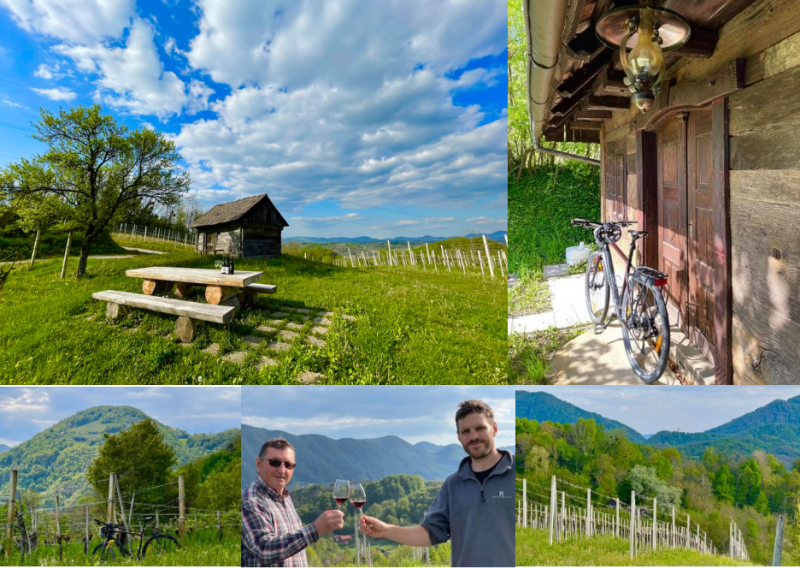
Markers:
<point>648,31</point>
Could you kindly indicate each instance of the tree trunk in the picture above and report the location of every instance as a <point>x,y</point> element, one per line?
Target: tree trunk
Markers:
<point>86,245</point>
<point>35,246</point>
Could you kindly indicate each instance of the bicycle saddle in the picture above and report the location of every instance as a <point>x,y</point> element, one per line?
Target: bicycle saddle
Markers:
<point>637,234</point>
<point>145,519</point>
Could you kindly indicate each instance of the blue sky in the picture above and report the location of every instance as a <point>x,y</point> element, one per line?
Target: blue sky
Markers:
<point>414,413</point>
<point>24,412</point>
<point>650,409</point>
<point>356,117</point>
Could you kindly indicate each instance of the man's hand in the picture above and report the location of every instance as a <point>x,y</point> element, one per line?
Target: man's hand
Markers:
<point>371,526</point>
<point>329,521</point>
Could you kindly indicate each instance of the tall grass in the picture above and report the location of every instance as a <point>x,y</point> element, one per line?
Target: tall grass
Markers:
<point>533,550</point>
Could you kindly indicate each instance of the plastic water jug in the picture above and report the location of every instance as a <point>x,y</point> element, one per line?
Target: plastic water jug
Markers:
<point>577,255</point>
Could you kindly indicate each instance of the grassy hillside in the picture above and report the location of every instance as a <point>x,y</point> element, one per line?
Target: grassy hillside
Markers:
<point>59,456</point>
<point>326,460</point>
<point>544,407</point>
<point>16,245</point>
<point>533,550</point>
<point>407,326</point>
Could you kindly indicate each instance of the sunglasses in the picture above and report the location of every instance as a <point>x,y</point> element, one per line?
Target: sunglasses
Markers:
<point>277,463</point>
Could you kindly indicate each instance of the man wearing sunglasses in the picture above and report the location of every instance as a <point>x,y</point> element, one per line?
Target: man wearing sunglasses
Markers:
<point>474,508</point>
<point>272,532</point>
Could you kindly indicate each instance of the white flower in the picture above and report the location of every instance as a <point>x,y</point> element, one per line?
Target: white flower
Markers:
<point>200,378</point>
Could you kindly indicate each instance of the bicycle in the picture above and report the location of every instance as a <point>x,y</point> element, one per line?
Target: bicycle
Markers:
<point>639,305</point>
<point>158,543</point>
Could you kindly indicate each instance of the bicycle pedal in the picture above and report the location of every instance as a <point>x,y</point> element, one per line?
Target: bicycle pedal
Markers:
<point>599,328</point>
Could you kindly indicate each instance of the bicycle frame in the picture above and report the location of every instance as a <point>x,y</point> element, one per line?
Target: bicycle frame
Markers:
<point>611,278</point>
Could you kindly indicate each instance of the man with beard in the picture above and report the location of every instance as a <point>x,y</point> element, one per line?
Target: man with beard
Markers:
<point>474,506</point>
<point>272,532</point>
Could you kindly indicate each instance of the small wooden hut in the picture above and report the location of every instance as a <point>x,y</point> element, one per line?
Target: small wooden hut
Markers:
<point>711,171</point>
<point>247,228</point>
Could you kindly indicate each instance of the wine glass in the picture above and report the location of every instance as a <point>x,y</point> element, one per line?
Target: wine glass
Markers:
<point>358,497</point>
<point>341,491</point>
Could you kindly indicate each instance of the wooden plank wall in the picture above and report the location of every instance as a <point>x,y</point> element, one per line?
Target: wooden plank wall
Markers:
<point>262,241</point>
<point>765,219</point>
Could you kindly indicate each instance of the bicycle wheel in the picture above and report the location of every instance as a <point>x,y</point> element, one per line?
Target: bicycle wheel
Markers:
<point>597,290</point>
<point>160,544</point>
<point>104,552</point>
<point>645,332</point>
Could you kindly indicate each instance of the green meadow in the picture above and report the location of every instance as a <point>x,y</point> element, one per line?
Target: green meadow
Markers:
<point>385,325</point>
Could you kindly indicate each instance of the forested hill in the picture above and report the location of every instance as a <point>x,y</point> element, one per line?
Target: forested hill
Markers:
<point>57,458</point>
<point>773,428</point>
<point>323,460</point>
<point>398,499</point>
<point>544,407</point>
<point>4,448</point>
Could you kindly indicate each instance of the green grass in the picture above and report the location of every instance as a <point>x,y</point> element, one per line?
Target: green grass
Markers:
<point>411,326</point>
<point>530,296</point>
<point>540,208</point>
<point>533,550</point>
<point>205,549</point>
<point>529,354</point>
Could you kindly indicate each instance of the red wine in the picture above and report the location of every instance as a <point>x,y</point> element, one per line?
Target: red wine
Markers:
<point>358,504</point>
<point>340,501</point>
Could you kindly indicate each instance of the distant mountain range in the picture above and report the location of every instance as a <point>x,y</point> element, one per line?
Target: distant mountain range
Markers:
<point>496,236</point>
<point>544,407</point>
<point>59,456</point>
<point>773,428</point>
<point>324,460</point>
<point>4,448</point>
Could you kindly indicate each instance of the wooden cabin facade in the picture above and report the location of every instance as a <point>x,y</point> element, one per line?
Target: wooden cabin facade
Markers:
<point>247,228</point>
<point>711,171</point>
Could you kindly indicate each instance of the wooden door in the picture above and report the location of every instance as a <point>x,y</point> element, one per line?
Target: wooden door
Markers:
<point>672,222</point>
<point>700,177</point>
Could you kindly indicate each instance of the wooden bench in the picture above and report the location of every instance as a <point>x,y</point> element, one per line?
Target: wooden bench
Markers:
<point>190,314</point>
<point>247,295</point>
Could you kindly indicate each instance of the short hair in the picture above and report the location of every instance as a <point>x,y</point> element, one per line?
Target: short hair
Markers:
<point>277,443</point>
<point>468,407</point>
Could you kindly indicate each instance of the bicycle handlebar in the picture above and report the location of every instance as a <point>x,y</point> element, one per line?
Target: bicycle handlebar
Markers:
<point>595,225</point>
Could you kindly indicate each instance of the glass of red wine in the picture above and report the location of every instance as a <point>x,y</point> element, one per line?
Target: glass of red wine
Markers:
<point>341,491</point>
<point>358,497</point>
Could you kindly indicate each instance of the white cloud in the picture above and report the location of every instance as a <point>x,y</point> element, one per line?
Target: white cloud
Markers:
<point>57,94</point>
<point>30,400</point>
<point>439,219</point>
<point>400,223</point>
<point>13,104</point>
<point>485,221</point>
<point>326,221</point>
<point>72,20</point>
<point>133,78</point>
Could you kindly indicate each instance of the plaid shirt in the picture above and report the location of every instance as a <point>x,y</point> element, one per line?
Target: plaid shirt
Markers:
<point>272,532</point>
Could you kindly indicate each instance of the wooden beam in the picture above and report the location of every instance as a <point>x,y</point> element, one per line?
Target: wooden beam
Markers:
<point>582,77</point>
<point>567,104</point>
<point>586,43</point>
<point>702,43</point>
<point>554,135</point>
<point>585,125</point>
<point>610,82</point>
<point>723,359</point>
<point>196,310</point>
<point>608,103</point>
<point>593,115</point>
<point>727,80</point>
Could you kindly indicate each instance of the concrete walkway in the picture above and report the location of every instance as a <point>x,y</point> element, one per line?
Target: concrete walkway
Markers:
<point>568,298</point>
<point>591,359</point>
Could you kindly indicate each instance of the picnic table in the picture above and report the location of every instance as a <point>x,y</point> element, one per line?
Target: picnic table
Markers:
<point>219,287</point>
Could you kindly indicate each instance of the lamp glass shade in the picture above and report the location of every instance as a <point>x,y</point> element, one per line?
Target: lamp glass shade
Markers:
<point>646,58</point>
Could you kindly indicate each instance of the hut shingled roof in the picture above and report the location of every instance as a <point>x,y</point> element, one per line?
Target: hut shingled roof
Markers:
<point>233,211</point>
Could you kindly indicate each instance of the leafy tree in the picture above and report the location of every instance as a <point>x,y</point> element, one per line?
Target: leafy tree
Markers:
<point>749,483</point>
<point>645,481</point>
<point>98,168</point>
<point>724,484</point>
<point>37,211</point>
<point>139,457</point>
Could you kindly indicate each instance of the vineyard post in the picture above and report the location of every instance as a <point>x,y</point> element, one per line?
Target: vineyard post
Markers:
<point>133,231</point>
<point>427,250</point>
<point>195,521</point>
<point>66,255</point>
<point>698,536</point>
<point>145,235</point>
<point>10,524</point>
<point>588,511</point>
<point>655,522</point>
<point>110,502</point>
<point>352,264</point>
<point>219,527</point>
<point>500,264</point>
<point>86,530</point>
<point>552,507</point>
<point>524,501</point>
<point>688,531</point>
<point>488,256</point>
<point>672,540</point>
<point>616,524</point>
<point>130,511</point>
<point>564,512</point>
<point>121,504</point>
<point>506,238</point>
<point>181,510</point>
<point>409,253</point>
<point>480,258</point>
<point>633,524</point>
<point>730,537</point>
<point>389,244</point>
<point>778,548</point>
<point>58,515</point>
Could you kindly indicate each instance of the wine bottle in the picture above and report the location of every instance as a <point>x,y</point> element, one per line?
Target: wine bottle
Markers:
<point>225,265</point>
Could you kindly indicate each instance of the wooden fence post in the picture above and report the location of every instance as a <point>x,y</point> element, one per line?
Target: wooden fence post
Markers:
<point>588,512</point>
<point>121,505</point>
<point>655,523</point>
<point>552,506</point>
<point>488,256</point>
<point>389,244</point>
<point>633,524</point>
<point>616,523</point>
<point>524,501</point>
<point>10,524</point>
<point>66,255</point>
<point>110,502</point>
<point>58,514</point>
<point>181,508</point>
